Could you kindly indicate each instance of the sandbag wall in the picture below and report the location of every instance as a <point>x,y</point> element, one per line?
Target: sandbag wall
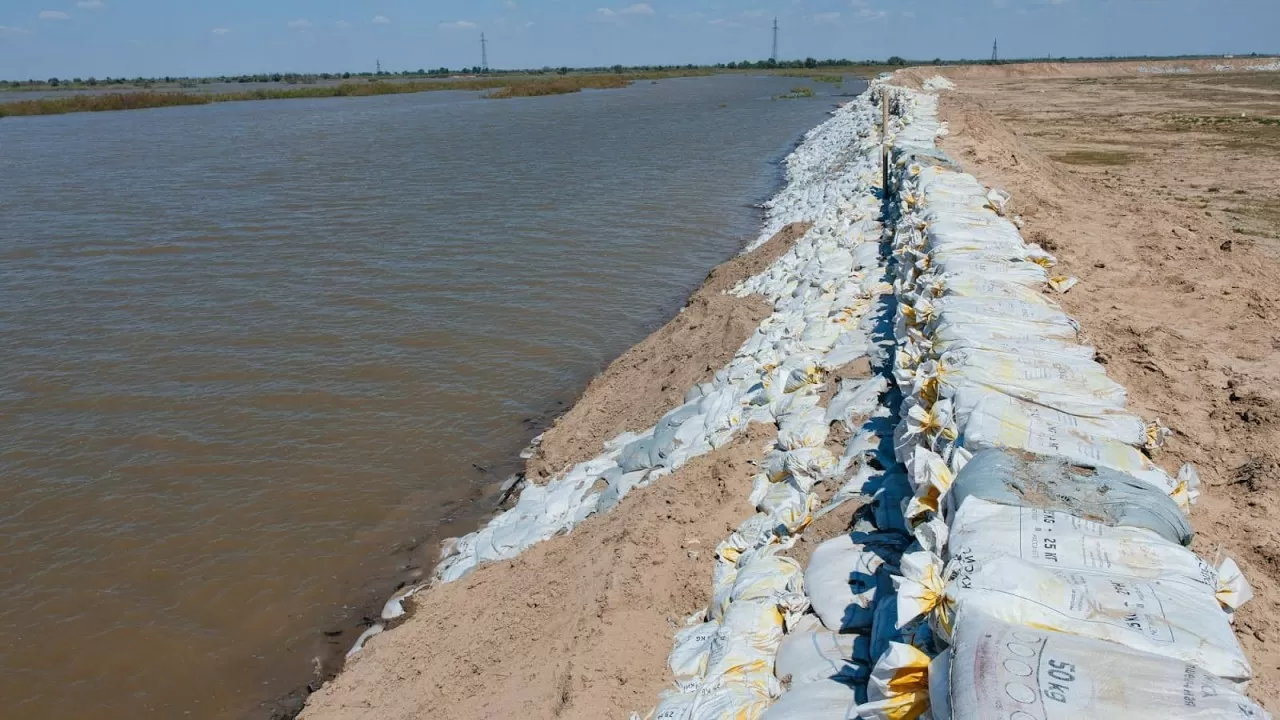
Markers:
<point>725,662</point>
<point>1049,575</point>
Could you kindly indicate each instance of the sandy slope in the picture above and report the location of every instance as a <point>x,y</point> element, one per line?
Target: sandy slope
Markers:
<point>1184,309</point>
<point>580,626</point>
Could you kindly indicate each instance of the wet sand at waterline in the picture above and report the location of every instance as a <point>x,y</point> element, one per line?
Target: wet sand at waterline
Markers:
<point>261,357</point>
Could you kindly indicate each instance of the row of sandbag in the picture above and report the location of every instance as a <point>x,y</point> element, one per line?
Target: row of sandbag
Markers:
<point>723,661</point>
<point>812,331</point>
<point>1037,586</point>
<point>824,661</point>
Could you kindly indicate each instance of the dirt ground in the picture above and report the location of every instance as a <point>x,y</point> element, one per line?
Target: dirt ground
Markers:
<point>1160,193</point>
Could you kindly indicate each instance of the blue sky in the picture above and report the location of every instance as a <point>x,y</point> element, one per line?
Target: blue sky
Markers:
<point>69,38</point>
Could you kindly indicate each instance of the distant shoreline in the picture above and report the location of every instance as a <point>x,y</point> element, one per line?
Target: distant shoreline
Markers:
<point>498,87</point>
<point>109,100</point>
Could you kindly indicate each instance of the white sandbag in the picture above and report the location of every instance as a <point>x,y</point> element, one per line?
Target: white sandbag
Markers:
<point>856,398</point>
<point>1156,616</point>
<point>731,699</point>
<point>1049,482</point>
<point>899,687</point>
<point>994,424</point>
<point>1076,388</point>
<point>825,699</point>
<point>1119,425</point>
<point>688,658</point>
<point>806,429</point>
<point>806,657</point>
<point>812,463</point>
<point>673,706</point>
<point>991,307</point>
<point>845,574</point>
<point>741,657</point>
<point>1040,348</point>
<point>765,575</point>
<point>994,668</point>
<point>1054,539</point>
<point>950,327</point>
<point>982,287</point>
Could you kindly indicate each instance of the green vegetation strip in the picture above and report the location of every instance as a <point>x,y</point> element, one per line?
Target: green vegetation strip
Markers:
<point>797,93</point>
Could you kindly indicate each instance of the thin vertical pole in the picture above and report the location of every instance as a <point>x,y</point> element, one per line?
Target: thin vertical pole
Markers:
<point>884,138</point>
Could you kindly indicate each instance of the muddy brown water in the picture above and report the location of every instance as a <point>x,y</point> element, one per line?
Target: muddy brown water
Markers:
<point>260,357</point>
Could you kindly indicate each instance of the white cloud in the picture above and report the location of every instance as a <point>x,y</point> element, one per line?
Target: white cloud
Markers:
<point>220,31</point>
<point>459,25</point>
<point>11,31</point>
<point>867,13</point>
<point>54,15</point>
<point>300,24</point>
<point>635,10</point>
<point>725,22</point>
<point>826,17</point>
<point>753,14</point>
<point>508,4</point>
<point>381,20</point>
<point>341,24</point>
<point>909,14</point>
<point>91,4</point>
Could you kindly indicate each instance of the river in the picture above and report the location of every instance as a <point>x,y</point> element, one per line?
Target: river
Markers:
<point>259,357</point>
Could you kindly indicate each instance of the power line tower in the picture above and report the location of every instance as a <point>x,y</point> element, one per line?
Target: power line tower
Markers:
<point>774,56</point>
<point>378,62</point>
<point>995,52</point>
<point>484,53</point>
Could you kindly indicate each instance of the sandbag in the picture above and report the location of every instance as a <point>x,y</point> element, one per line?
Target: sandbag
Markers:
<point>993,423</point>
<point>1155,616</point>
<point>846,573</point>
<point>827,699</point>
<point>1119,426</point>
<point>1050,483</point>
<point>1055,539</point>
<point>1077,388</point>
<point>993,668</point>
<point>806,657</point>
<point>688,658</point>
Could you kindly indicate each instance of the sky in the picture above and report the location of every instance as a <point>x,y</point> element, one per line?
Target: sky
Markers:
<point>112,38</point>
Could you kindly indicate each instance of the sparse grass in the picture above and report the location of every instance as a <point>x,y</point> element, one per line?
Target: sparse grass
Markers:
<point>560,86</point>
<point>104,102</point>
<point>833,79</point>
<point>797,93</point>
<point>1096,157</point>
